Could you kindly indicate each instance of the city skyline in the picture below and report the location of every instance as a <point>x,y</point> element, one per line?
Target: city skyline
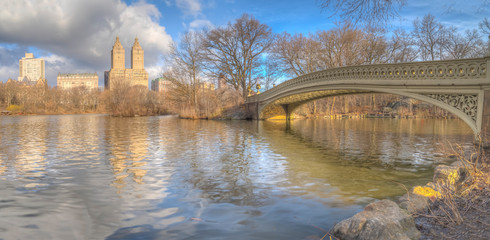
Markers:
<point>76,37</point>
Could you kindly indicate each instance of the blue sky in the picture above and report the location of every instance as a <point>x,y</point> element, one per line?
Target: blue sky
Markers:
<point>292,16</point>
<point>76,36</point>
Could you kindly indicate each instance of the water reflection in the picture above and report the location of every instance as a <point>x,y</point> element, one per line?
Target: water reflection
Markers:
<point>226,162</point>
<point>166,178</point>
<point>128,144</point>
<point>354,161</point>
<point>27,144</point>
<point>54,184</point>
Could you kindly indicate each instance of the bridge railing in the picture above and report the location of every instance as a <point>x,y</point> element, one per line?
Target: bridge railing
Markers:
<point>460,69</point>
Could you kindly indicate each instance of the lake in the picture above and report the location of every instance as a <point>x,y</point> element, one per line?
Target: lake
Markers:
<point>100,177</point>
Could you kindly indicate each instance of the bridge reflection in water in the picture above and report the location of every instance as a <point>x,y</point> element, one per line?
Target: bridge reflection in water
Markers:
<point>361,159</point>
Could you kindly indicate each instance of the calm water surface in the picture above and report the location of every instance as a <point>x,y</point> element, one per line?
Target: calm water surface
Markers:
<point>98,177</point>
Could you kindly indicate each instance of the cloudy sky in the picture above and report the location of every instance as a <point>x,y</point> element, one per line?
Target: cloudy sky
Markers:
<point>76,36</point>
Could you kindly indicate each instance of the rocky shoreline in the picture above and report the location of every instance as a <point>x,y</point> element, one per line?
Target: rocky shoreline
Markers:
<point>426,212</point>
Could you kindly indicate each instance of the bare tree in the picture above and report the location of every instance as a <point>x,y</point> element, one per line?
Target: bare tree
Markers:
<point>186,71</point>
<point>485,26</point>
<point>368,12</point>
<point>338,47</point>
<point>11,90</point>
<point>458,46</point>
<point>2,93</point>
<point>401,48</point>
<point>235,50</point>
<point>297,54</point>
<point>269,71</point>
<point>429,36</point>
<point>374,45</point>
<point>119,101</point>
<point>341,46</point>
<point>485,29</point>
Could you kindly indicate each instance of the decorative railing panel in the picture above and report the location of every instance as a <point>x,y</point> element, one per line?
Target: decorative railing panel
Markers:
<point>467,103</point>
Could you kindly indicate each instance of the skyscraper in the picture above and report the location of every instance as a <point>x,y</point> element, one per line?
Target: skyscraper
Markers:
<point>31,69</point>
<point>119,74</point>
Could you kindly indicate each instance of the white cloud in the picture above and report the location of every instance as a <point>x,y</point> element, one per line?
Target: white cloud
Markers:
<point>6,71</point>
<point>78,35</point>
<point>55,64</point>
<point>55,60</point>
<point>155,71</point>
<point>461,14</point>
<point>9,61</point>
<point>189,7</point>
<point>201,23</point>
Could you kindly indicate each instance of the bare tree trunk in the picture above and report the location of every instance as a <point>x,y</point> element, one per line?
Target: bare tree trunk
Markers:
<point>373,100</point>
<point>333,104</point>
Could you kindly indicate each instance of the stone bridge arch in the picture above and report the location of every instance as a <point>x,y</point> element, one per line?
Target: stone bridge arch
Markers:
<point>461,87</point>
<point>463,105</point>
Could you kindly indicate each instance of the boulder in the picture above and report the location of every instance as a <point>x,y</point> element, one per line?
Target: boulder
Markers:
<point>379,220</point>
<point>414,203</point>
<point>449,175</point>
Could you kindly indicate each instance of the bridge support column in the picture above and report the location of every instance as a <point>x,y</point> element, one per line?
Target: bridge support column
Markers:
<point>485,121</point>
<point>287,110</point>
<point>252,111</point>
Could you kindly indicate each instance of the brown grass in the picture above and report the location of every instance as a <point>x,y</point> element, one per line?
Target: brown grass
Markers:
<point>461,211</point>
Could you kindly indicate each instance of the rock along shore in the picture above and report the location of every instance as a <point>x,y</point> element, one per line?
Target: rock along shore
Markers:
<point>386,219</point>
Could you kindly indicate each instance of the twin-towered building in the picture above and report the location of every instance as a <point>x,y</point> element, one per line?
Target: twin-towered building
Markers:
<point>119,74</point>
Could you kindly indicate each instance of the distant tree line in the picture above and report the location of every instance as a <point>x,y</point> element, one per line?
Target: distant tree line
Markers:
<point>19,98</point>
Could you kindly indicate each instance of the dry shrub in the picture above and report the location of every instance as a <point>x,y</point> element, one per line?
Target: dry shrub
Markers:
<point>15,108</point>
<point>475,166</point>
<point>460,193</point>
<point>129,101</point>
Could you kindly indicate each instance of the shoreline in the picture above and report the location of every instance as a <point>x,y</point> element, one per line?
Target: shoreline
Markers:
<point>430,211</point>
<point>239,114</point>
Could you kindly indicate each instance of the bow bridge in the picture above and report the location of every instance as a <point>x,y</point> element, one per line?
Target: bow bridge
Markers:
<point>462,87</point>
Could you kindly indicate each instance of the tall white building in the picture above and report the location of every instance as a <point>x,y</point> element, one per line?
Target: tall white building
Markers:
<point>31,69</point>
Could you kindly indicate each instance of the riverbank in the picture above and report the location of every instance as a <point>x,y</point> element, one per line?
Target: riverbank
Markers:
<point>8,113</point>
<point>455,205</point>
<point>461,211</point>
